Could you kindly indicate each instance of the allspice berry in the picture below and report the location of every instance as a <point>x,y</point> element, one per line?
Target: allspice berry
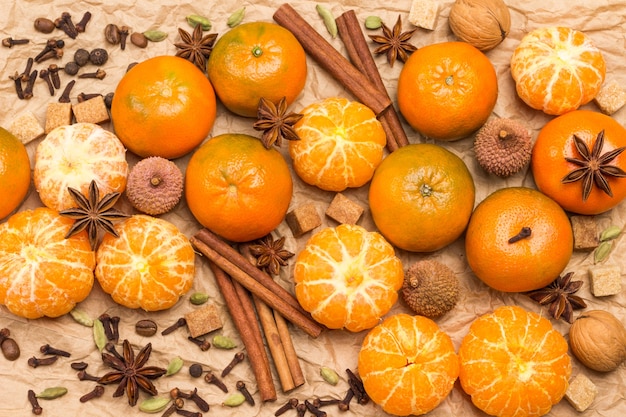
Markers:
<point>98,56</point>
<point>430,288</point>
<point>503,147</point>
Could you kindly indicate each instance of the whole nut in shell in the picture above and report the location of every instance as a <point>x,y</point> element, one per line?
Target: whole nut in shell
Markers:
<point>481,23</point>
<point>598,339</point>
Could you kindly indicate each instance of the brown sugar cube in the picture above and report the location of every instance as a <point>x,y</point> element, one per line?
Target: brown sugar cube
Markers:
<point>58,114</point>
<point>585,229</point>
<point>91,111</point>
<point>344,210</point>
<point>423,13</point>
<point>303,219</point>
<point>203,320</point>
<point>605,280</point>
<point>581,392</point>
<point>26,127</point>
<point>610,98</point>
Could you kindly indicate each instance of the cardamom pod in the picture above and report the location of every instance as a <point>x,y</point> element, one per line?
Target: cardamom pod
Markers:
<point>198,298</point>
<point>373,22</point>
<point>81,317</point>
<point>328,18</point>
<point>99,336</point>
<point>236,18</point>
<point>223,342</point>
<point>154,404</point>
<point>155,35</point>
<point>610,233</point>
<point>52,393</point>
<point>174,366</point>
<point>234,400</point>
<point>602,251</point>
<point>329,375</point>
<point>195,20</point>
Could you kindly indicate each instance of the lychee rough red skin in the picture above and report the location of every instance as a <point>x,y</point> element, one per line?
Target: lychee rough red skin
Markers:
<point>154,185</point>
<point>503,147</point>
<point>430,288</point>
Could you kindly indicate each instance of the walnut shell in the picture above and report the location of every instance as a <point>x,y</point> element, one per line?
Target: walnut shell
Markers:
<point>598,339</point>
<point>481,23</point>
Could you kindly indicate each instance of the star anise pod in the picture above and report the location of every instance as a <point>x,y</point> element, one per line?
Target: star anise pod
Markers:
<point>594,166</point>
<point>270,255</point>
<point>195,47</point>
<point>560,295</point>
<point>130,372</point>
<point>394,43</point>
<point>93,213</point>
<point>275,122</point>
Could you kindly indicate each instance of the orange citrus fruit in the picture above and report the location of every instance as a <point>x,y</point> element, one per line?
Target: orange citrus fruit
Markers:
<point>347,277</point>
<point>254,60</point>
<point>14,172</point>
<point>514,363</point>
<point>164,106</point>
<point>41,272</point>
<point>237,188</point>
<point>447,90</point>
<point>518,240</point>
<point>341,144</point>
<point>73,156</point>
<point>408,365</point>
<point>150,266</point>
<point>421,197</point>
<point>556,141</point>
<point>557,69</point>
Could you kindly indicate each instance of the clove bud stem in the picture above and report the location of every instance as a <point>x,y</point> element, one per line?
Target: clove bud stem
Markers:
<point>49,350</point>
<point>238,358</point>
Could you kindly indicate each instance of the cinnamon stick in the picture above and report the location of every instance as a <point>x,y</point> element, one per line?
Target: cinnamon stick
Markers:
<point>293,362</point>
<point>261,372</point>
<point>356,45</point>
<point>267,295</point>
<point>333,61</point>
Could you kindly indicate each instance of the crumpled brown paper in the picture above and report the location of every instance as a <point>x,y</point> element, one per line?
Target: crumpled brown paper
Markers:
<point>602,20</point>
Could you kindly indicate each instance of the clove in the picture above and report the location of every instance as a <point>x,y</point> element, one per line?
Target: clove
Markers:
<point>344,404</point>
<point>179,323</point>
<point>110,347</point>
<point>45,75</point>
<point>314,410</point>
<point>35,362</point>
<point>84,376</point>
<point>239,357</point>
<point>65,96</point>
<point>53,48</point>
<point>106,323</point>
<point>9,42</point>
<point>32,398</point>
<point>289,405</point>
<point>318,403</point>
<point>82,24</point>
<point>28,91</point>
<point>241,387</point>
<point>84,97</point>
<point>54,69</point>
<point>26,73</point>
<point>65,23</point>
<point>17,79</point>
<point>95,393</point>
<point>115,324</point>
<point>357,386</point>
<point>193,396</point>
<point>99,74</point>
<point>301,410</point>
<point>202,343</point>
<point>124,31</point>
<point>49,350</point>
<point>210,378</point>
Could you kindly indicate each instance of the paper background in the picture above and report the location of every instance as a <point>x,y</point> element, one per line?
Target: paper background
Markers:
<point>602,20</point>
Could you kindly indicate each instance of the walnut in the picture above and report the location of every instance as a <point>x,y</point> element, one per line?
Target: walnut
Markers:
<point>481,23</point>
<point>598,339</point>
<point>503,147</point>
<point>430,288</point>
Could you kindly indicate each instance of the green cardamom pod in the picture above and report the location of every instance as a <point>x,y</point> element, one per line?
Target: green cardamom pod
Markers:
<point>223,342</point>
<point>154,404</point>
<point>52,393</point>
<point>195,20</point>
<point>198,298</point>
<point>373,22</point>
<point>328,18</point>
<point>610,233</point>
<point>99,336</point>
<point>236,18</point>
<point>602,251</point>
<point>174,366</point>
<point>234,400</point>
<point>81,317</point>
<point>155,35</point>
<point>329,375</point>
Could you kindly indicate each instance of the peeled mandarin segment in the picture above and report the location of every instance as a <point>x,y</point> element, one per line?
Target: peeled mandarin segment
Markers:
<point>41,272</point>
<point>149,266</point>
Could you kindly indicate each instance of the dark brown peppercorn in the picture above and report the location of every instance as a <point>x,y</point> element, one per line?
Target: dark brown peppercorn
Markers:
<point>81,57</point>
<point>195,370</point>
<point>98,56</point>
<point>44,25</point>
